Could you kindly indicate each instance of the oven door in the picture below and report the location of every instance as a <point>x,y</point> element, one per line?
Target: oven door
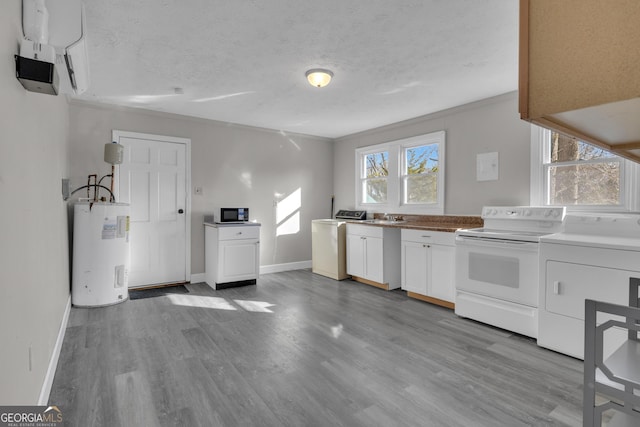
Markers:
<point>501,269</point>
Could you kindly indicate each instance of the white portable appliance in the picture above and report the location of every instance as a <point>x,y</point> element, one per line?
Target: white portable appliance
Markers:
<point>101,253</point>
<point>329,244</point>
<point>593,258</point>
<point>497,266</point>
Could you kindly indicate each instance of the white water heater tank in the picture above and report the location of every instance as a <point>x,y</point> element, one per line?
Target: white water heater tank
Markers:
<point>101,254</point>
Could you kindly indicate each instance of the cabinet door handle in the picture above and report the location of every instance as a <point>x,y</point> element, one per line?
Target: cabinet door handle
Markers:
<point>427,237</point>
<point>426,246</point>
<point>556,287</point>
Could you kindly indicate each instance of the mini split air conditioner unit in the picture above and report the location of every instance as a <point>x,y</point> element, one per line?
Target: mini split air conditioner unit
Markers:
<point>53,54</point>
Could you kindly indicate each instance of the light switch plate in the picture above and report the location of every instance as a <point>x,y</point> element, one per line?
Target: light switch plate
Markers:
<point>487,166</point>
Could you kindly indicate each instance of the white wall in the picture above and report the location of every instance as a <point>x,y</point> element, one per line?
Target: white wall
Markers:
<point>485,126</point>
<point>34,261</point>
<point>237,166</point>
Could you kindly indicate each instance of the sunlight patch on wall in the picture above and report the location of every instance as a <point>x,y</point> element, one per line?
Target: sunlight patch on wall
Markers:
<point>290,226</point>
<point>288,214</point>
<point>245,178</point>
<point>283,133</point>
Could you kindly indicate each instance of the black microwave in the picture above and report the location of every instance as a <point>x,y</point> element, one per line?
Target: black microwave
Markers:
<point>234,214</point>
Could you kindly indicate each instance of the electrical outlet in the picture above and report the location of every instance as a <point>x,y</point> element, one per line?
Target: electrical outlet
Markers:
<point>197,191</point>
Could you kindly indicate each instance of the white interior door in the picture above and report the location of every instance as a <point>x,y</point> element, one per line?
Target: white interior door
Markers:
<point>153,180</point>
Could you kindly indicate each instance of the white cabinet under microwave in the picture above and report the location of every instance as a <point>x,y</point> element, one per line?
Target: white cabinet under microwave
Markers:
<point>232,254</point>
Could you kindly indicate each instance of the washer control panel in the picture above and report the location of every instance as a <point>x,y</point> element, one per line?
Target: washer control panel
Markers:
<point>538,213</point>
<point>353,215</point>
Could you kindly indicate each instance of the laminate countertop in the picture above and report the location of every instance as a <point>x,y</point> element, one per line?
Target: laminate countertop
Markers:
<point>443,223</point>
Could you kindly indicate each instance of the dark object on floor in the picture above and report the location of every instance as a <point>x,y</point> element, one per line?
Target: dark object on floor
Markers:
<point>157,292</point>
<point>235,284</point>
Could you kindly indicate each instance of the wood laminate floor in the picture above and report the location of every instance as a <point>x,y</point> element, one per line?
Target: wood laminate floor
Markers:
<point>300,349</point>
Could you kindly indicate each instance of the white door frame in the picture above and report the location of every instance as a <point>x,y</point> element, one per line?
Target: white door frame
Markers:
<point>116,134</point>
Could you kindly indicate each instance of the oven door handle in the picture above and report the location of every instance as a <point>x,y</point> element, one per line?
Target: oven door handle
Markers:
<point>495,243</point>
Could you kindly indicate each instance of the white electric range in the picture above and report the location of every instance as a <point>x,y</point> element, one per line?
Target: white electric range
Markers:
<point>497,266</point>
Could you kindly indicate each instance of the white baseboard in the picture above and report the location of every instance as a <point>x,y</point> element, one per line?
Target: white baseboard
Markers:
<point>197,278</point>
<point>45,391</point>
<point>276,268</point>
<point>264,269</point>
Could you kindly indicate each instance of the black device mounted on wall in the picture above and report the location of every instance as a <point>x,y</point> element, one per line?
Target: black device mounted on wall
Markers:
<point>37,76</point>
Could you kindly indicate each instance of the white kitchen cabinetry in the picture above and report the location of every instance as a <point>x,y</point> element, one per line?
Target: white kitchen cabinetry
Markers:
<point>427,266</point>
<point>373,256</point>
<point>232,254</point>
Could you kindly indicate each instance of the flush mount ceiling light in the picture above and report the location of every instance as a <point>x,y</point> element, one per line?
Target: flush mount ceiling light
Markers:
<point>319,77</point>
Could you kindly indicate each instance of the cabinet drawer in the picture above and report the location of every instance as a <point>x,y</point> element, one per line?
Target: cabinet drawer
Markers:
<point>428,236</point>
<point>365,230</point>
<point>237,233</point>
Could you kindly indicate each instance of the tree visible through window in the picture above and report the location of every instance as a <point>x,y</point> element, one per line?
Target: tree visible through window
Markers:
<point>421,174</point>
<point>402,176</point>
<point>581,174</point>
<point>376,174</point>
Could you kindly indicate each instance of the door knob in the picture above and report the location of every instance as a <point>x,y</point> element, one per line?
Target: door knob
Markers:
<point>180,211</point>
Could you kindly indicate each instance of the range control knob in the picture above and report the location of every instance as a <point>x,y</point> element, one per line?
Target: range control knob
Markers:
<point>547,213</point>
<point>527,212</point>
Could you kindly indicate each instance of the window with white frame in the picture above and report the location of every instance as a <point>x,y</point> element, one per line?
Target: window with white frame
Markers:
<point>375,179</point>
<point>402,176</point>
<point>582,177</point>
<point>420,166</point>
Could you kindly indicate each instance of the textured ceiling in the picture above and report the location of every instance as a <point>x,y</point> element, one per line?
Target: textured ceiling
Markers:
<point>243,61</point>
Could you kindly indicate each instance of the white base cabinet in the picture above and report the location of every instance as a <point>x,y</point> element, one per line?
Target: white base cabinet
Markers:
<point>428,259</point>
<point>232,254</point>
<point>372,255</point>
